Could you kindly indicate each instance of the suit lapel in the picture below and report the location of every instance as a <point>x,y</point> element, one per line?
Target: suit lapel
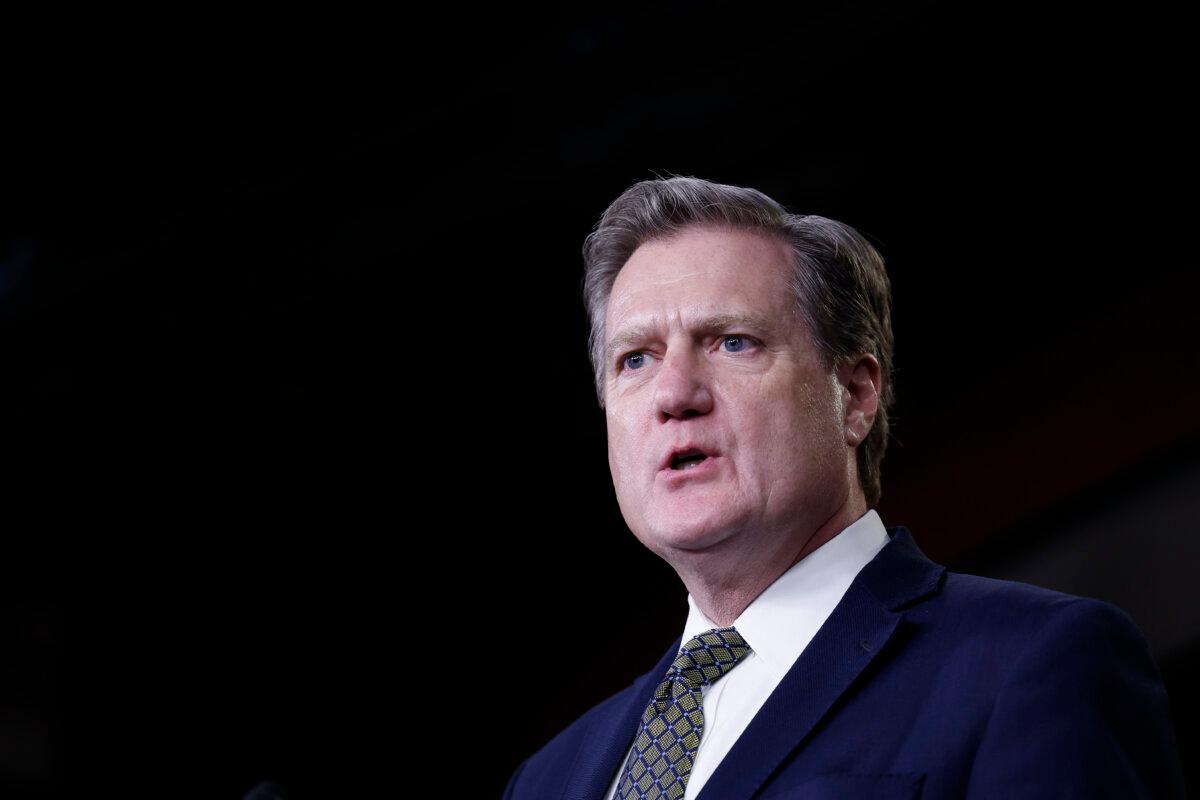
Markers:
<point>608,739</point>
<point>858,629</point>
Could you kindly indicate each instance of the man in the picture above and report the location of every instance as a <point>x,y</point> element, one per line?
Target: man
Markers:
<point>743,359</point>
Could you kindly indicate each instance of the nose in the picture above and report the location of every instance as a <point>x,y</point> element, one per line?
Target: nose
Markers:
<point>682,389</point>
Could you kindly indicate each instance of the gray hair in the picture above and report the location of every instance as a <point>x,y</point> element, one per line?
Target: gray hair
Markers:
<point>841,287</point>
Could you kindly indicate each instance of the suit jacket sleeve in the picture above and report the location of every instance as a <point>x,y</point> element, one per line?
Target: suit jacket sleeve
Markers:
<point>1083,713</point>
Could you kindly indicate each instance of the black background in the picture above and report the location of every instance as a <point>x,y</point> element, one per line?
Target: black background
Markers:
<point>300,439</point>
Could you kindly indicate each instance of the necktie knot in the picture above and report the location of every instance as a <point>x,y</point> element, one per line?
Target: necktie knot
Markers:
<point>708,656</point>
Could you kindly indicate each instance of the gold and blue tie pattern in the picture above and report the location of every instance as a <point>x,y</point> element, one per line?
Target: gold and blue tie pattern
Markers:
<point>671,726</point>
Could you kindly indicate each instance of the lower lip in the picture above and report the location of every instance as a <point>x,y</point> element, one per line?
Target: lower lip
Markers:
<point>705,469</point>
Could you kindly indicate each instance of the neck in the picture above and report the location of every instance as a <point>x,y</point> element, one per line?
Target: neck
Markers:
<point>724,584</point>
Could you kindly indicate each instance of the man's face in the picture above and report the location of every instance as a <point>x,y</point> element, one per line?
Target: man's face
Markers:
<point>707,351</point>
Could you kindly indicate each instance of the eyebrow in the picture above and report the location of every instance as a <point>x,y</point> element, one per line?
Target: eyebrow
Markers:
<point>714,323</point>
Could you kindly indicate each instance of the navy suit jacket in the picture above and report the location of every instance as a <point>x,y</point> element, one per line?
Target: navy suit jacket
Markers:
<point>922,683</point>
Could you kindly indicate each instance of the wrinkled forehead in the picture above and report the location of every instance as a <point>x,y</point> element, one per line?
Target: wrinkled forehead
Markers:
<point>702,274</point>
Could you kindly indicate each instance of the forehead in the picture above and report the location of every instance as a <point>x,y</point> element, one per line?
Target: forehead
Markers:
<point>701,272</point>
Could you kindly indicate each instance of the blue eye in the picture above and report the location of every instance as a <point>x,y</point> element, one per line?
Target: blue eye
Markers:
<point>733,343</point>
<point>738,342</point>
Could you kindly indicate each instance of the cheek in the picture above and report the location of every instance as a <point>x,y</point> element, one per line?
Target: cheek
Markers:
<point>792,431</point>
<point>620,452</point>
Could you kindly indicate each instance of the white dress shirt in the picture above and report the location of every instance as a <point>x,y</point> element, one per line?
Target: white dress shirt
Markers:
<point>777,626</point>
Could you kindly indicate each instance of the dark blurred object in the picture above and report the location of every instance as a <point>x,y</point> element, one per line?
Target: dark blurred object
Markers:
<point>267,790</point>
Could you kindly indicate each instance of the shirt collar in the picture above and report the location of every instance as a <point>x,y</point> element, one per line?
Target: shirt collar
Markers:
<point>804,596</point>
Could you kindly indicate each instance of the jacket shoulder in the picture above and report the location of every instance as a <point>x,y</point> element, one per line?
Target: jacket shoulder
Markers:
<point>1079,706</point>
<point>1019,606</point>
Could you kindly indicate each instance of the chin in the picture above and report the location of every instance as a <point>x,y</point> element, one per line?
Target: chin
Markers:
<point>689,538</point>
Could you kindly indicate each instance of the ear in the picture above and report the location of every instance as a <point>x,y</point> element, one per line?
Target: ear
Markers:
<point>862,386</point>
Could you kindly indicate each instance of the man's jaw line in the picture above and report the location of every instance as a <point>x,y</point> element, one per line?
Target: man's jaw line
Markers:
<point>736,587</point>
<point>842,517</point>
<point>718,570</point>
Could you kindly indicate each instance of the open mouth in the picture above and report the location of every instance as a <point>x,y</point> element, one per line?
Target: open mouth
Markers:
<point>687,459</point>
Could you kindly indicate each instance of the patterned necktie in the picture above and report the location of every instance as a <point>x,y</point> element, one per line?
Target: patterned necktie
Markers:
<point>673,723</point>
